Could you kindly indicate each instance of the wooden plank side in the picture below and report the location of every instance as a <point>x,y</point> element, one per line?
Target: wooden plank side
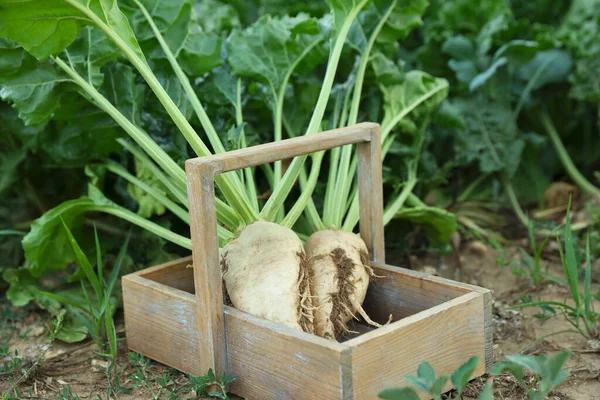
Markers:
<point>288,148</point>
<point>177,274</point>
<point>275,362</point>
<point>402,292</point>
<point>370,193</point>
<point>161,323</point>
<point>208,282</point>
<point>446,336</point>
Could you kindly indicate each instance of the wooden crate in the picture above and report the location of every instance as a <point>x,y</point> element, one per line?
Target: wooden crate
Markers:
<point>175,314</point>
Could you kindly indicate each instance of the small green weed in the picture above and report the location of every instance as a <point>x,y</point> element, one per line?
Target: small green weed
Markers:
<point>548,373</point>
<point>13,391</point>
<point>580,314</point>
<point>96,312</point>
<point>200,384</point>
<point>166,384</point>
<point>531,265</point>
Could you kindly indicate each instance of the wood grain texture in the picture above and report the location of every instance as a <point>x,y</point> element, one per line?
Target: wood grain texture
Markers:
<point>446,335</point>
<point>208,281</point>
<point>402,292</point>
<point>176,274</point>
<point>161,323</point>
<point>370,195</point>
<point>487,304</point>
<point>288,148</point>
<point>201,173</point>
<point>276,362</point>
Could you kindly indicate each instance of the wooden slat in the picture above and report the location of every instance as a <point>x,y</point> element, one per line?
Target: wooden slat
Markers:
<point>370,193</point>
<point>177,274</point>
<point>201,174</point>
<point>161,323</point>
<point>402,293</point>
<point>488,322</point>
<point>288,148</point>
<point>276,362</point>
<point>208,282</point>
<point>446,335</point>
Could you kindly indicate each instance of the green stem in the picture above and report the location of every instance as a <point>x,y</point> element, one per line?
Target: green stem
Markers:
<point>540,303</point>
<point>230,188</point>
<point>514,202</point>
<point>157,195</point>
<point>145,224</point>
<point>303,203</point>
<point>207,125</point>
<point>387,128</point>
<point>341,187</point>
<point>392,208</point>
<point>248,172</point>
<point>281,191</point>
<point>140,137</point>
<point>572,170</point>
<point>177,191</point>
<point>360,75</point>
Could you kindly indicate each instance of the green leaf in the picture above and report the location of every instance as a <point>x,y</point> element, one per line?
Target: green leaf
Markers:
<point>11,56</point>
<point>515,369</point>
<point>532,363</point>
<point>487,393</point>
<point>417,95</point>
<point>83,262</point>
<point>46,245</point>
<point>438,224</point>
<point>90,52</point>
<point>201,53</point>
<point>217,16</point>
<point>419,383</point>
<point>269,49</point>
<point>405,17</point>
<point>148,206</point>
<point>465,15</point>
<point>122,90</point>
<point>426,371</point>
<point>399,394</point>
<point>47,27</point>
<point>343,9</point>
<point>33,91</point>
<point>491,139</point>
<point>386,71</point>
<point>9,164</point>
<point>462,375</point>
<point>482,78</point>
<point>555,364</point>
<point>43,27</point>
<point>459,48</point>
<point>517,51</point>
<point>438,385</point>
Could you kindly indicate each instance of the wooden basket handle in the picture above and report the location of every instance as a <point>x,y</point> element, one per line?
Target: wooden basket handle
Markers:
<point>201,174</point>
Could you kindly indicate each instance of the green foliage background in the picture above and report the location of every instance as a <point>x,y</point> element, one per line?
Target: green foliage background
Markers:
<point>496,66</point>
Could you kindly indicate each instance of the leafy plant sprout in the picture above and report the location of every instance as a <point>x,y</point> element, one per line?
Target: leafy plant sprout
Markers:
<point>580,314</point>
<point>548,373</point>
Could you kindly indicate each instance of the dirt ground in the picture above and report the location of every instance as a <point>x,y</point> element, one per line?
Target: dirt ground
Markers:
<point>77,369</point>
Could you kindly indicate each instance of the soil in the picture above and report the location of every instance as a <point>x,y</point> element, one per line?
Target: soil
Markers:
<point>78,367</point>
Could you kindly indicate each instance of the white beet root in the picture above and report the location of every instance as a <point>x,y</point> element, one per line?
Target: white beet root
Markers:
<point>340,276</point>
<point>265,275</point>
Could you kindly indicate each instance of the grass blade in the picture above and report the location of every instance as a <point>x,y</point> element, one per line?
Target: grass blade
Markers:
<point>114,274</point>
<point>83,262</point>
<point>570,261</point>
<point>99,264</point>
